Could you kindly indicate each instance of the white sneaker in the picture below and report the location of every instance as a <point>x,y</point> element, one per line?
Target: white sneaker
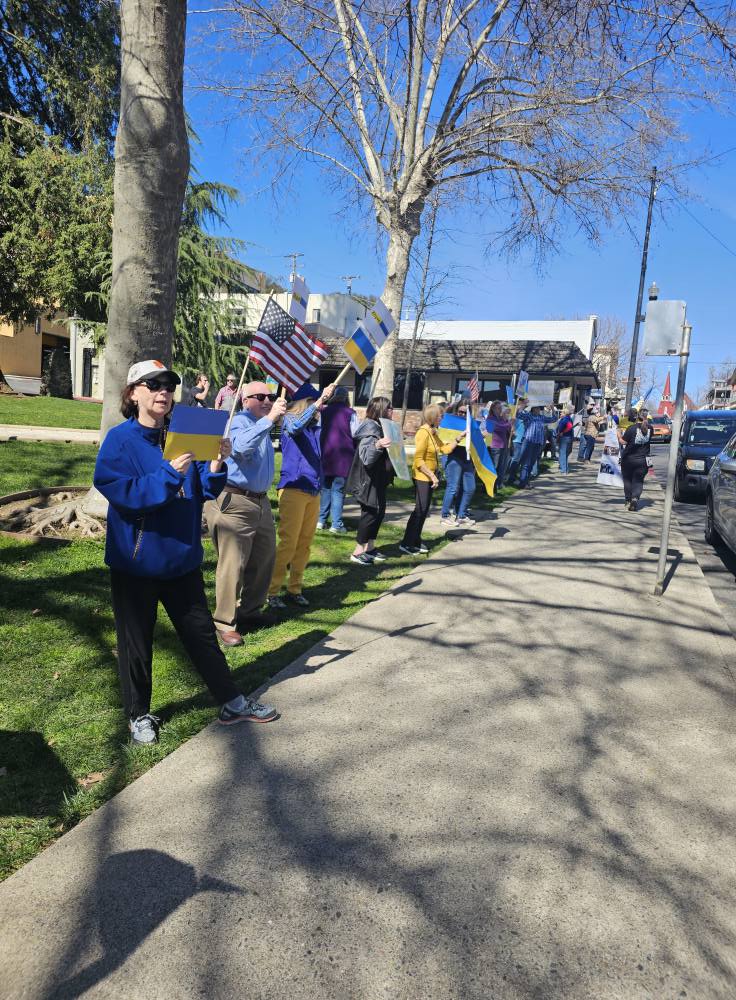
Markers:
<point>320,526</point>
<point>342,530</point>
<point>465,522</point>
<point>144,729</point>
<point>448,522</point>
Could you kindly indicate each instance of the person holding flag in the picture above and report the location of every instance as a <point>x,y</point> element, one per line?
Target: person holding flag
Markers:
<point>154,550</point>
<point>459,475</point>
<point>535,429</point>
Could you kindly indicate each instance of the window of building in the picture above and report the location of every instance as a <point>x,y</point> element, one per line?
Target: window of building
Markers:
<point>416,390</point>
<point>316,315</point>
<point>490,389</point>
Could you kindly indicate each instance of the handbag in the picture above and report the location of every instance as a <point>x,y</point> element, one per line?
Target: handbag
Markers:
<point>437,457</point>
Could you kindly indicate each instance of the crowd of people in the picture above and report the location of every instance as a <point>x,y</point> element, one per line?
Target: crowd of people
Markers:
<point>154,548</point>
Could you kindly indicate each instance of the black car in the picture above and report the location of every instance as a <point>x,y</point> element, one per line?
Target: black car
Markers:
<point>704,434</point>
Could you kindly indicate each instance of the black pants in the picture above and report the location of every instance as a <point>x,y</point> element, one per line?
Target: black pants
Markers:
<point>422,502</point>
<point>135,604</point>
<point>370,521</point>
<point>634,473</point>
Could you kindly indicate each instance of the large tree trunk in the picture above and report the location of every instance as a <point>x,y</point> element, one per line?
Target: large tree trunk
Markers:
<point>151,169</point>
<point>397,268</point>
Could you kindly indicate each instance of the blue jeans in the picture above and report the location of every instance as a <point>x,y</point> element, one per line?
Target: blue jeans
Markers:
<point>585,451</point>
<point>460,476</point>
<point>513,466</point>
<point>332,499</point>
<point>565,449</point>
<point>500,458</point>
<point>529,459</point>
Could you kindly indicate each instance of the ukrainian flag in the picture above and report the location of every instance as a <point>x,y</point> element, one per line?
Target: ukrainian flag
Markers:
<point>448,430</point>
<point>359,350</point>
<point>196,430</point>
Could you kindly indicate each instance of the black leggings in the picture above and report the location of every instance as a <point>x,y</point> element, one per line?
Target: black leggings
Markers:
<point>634,473</point>
<point>370,521</point>
<point>422,502</point>
<point>135,604</point>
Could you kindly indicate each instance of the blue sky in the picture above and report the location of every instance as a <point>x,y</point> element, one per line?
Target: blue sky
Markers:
<point>686,261</point>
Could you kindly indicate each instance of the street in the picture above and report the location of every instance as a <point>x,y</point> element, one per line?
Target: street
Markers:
<point>718,565</point>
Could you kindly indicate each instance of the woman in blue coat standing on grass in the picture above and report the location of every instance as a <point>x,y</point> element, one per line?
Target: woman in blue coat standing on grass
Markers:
<point>154,550</point>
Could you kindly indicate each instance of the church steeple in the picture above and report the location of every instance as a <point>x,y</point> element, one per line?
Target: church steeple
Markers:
<point>666,406</point>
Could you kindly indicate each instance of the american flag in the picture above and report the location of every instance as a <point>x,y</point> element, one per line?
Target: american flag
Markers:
<point>473,389</point>
<point>283,348</point>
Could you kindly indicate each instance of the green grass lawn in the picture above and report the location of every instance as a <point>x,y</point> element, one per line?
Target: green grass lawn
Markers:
<point>26,465</point>
<point>45,411</point>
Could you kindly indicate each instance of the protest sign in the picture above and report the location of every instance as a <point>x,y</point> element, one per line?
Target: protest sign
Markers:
<point>541,393</point>
<point>609,473</point>
<point>565,396</point>
<point>522,383</point>
<point>396,450</point>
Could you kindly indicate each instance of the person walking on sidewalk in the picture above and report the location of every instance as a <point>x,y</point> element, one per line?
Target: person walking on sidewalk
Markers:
<point>240,520</point>
<point>339,422</point>
<point>424,470</point>
<point>154,551</point>
<point>368,479</point>
<point>225,398</point>
<point>591,423</point>
<point>299,493</point>
<point>635,440</point>
<point>499,426</point>
<point>535,430</point>
<point>459,476</point>
<point>564,437</point>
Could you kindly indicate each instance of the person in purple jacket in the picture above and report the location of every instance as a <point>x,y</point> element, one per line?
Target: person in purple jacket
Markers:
<point>498,426</point>
<point>339,424</point>
<point>299,493</point>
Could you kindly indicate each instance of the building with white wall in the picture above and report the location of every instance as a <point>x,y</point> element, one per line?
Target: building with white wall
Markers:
<point>582,332</point>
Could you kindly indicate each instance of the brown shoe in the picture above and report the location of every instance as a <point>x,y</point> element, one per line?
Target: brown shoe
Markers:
<point>230,638</point>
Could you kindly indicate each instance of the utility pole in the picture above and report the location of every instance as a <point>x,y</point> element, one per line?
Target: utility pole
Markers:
<point>349,279</point>
<point>293,257</point>
<point>642,276</point>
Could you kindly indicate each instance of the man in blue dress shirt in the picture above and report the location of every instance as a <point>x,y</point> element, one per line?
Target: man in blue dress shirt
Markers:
<point>240,520</point>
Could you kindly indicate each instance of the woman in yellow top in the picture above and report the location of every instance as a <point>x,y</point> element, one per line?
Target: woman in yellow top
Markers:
<point>424,473</point>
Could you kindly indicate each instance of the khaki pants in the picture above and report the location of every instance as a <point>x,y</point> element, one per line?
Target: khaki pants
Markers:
<point>244,537</point>
<point>298,514</point>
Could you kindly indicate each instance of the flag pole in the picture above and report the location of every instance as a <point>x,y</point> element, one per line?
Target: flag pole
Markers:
<point>242,378</point>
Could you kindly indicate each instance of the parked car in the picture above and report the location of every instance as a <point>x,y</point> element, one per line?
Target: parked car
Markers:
<point>704,434</point>
<point>661,429</point>
<point>720,498</point>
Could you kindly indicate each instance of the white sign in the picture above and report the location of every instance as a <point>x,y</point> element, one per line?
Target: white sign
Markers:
<point>663,327</point>
<point>396,450</point>
<point>609,473</point>
<point>541,393</point>
<point>565,396</point>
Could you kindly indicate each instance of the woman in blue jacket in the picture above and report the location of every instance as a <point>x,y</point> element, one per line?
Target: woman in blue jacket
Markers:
<point>154,550</point>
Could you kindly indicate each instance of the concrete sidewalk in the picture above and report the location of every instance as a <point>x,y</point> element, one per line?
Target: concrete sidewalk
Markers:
<point>509,777</point>
<point>20,432</point>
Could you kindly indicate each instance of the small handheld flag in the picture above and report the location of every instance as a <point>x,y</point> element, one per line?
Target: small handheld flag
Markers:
<point>195,430</point>
<point>474,389</point>
<point>359,350</point>
<point>299,297</point>
<point>283,348</point>
<point>379,322</point>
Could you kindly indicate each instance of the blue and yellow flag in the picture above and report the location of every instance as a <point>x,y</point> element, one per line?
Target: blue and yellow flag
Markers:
<point>196,430</point>
<point>359,350</point>
<point>448,430</point>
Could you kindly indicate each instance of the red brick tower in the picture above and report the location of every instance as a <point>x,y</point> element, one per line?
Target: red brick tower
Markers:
<point>666,407</point>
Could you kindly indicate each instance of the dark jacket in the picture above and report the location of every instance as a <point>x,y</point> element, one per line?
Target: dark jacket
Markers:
<point>154,521</point>
<point>371,471</point>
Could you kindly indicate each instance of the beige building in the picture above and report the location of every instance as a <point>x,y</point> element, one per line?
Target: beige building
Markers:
<point>24,347</point>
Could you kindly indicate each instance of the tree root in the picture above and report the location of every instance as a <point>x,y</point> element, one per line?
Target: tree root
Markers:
<point>56,521</point>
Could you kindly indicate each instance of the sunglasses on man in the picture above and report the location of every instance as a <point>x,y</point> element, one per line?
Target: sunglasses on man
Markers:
<point>261,396</point>
<point>157,385</point>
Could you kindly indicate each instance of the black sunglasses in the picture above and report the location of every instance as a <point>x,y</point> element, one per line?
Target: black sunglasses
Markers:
<point>261,396</point>
<point>155,385</point>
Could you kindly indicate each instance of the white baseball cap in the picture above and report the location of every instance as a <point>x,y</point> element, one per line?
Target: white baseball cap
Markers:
<point>142,370</point>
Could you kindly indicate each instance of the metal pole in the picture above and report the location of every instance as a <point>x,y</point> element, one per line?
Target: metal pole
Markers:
<point>642,277</point>
<point>672,463</point>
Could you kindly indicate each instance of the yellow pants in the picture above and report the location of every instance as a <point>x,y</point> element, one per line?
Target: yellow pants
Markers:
<point>298,514</point>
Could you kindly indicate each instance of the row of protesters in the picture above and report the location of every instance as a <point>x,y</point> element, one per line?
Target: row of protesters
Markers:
<point>459,477</point>
<point>370,474</point>
<point>299,489</point>
<point>429,450</point>
<point>339,423</point>
<point>154,550</point>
